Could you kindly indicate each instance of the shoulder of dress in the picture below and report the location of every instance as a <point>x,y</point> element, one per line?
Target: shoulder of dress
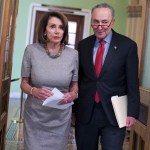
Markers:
<point>70,49</point>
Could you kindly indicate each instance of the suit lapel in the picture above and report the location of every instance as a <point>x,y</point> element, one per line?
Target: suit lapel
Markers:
<point>90,46</point>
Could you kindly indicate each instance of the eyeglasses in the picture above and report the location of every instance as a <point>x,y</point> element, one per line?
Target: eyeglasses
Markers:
<point>103,25</point>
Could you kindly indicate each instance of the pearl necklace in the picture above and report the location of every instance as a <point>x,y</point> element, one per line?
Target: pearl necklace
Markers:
<point>55,55</point>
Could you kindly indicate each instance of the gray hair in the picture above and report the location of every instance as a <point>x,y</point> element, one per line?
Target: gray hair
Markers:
<point>105,5</point>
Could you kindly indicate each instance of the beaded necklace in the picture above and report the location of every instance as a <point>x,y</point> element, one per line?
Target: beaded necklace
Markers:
<point>53,54</point>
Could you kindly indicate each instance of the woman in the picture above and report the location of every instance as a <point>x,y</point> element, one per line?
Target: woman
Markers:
<point>46,65</point>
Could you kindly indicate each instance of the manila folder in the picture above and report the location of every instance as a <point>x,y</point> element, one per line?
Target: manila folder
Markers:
<point>120,109</point>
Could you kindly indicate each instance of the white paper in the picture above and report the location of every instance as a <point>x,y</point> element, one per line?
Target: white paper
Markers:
<point>52,101</point>
<point>120,109</point>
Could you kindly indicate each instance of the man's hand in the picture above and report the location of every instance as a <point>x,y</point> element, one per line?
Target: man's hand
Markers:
<point>130,121</point>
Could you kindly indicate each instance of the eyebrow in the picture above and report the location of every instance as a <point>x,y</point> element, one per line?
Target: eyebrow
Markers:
<point>96,20</point>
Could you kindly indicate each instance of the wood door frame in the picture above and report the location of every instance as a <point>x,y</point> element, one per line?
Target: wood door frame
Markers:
<point>41,7</point>
<point>8,24</point>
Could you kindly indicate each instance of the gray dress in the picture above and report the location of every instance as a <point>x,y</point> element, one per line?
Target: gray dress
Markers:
<point>47,128</point>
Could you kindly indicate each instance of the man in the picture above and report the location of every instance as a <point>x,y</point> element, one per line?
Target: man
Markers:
<point>117,75</point>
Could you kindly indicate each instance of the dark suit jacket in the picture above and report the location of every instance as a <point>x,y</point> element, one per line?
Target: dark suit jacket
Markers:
<point>119,76</point>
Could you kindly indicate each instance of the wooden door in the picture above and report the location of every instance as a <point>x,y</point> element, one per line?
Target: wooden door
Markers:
<point>80,24</point>
<point>78,19</point>
<point>8,12</point>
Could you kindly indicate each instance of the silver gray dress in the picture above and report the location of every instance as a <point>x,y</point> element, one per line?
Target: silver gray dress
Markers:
<point>47,128</point>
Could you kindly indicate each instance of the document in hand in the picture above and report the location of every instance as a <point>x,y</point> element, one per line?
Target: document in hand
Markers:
<point>52,101</point>
<point>120,109</point>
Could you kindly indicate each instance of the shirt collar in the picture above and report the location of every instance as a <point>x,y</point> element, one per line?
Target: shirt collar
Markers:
<point>107,39</point>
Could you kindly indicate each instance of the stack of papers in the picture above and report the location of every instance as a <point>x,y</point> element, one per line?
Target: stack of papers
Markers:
<point>52,101</point>
<point>120,109</point>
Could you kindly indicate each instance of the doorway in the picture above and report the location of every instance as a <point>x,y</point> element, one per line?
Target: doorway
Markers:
<point>78,21</point>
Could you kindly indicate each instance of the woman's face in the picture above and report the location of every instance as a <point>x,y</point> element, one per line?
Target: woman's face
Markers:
<point>54,30</point>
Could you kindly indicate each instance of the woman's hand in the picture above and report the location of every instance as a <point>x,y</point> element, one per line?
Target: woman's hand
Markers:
<point>68,98</point>
<point>42,93</point>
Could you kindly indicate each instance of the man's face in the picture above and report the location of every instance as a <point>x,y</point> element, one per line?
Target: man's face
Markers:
<point>102,22</point>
